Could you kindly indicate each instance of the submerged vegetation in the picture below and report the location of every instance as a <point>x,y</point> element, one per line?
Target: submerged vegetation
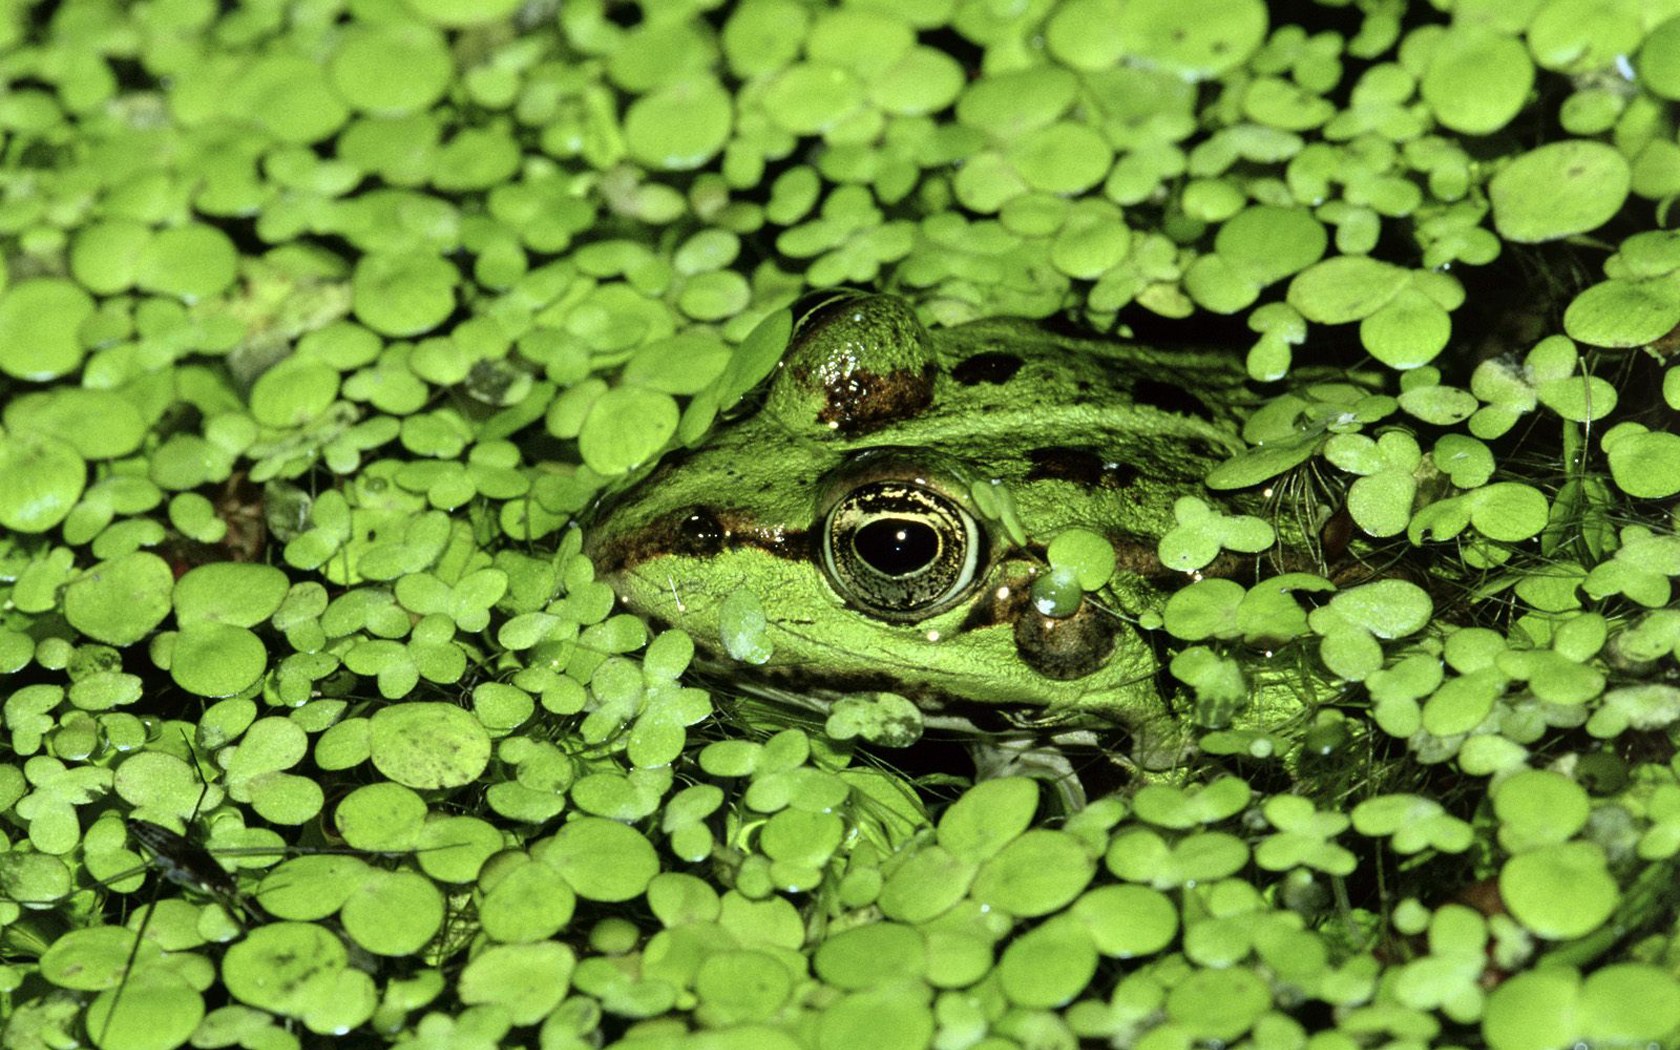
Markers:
<point>323,322</point>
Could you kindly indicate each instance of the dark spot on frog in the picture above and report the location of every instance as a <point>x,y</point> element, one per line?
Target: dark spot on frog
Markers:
<point>1081,466</point>
<point>994,368</point>
<point>1170,397</point>
<point>696,532</point>
<point>859,401</point>
<point>1065,647</point>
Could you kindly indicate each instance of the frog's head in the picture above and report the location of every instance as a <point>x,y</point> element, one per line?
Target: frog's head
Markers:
<point>859,510</point>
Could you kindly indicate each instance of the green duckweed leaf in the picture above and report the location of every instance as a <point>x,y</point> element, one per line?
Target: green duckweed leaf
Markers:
<point>886,719</point>
<point>1632,1002</point>
<point>1302,838</point>
<point>742,986</point>
<point>1644,464</point>
<point>871,955</point>
<point>120,601</point>
<point>39,318</point>
<point>391,68</point>
<point>294,969</point>
<point>1539,808</point>
<point>403,293</point>
<point>625,427</point>
<point>1141,855</point>
<point>1037,873</point>
<point>526,980</point>
<point>44,478</point>
<point>428,745</point>
<point>1557,190</point>
<point>1412,823</point>
<point>98,424</point>
<point>601,860</point>
<point>193,261</point>
<point>681,126</point>
<point>1477,79</point>
<point>1345,288</point>
<point>1196,40</point>
<point>1559,891</point>
<point>1640,568</point>
<point>229,592</point>
<point>393,913</point>
<point>1202,532</point>
<point>1180,809</point>
<point>987,817</point>
<point>1049,965</point>
<point>158,1010</point>
<point>1219,1005</point>
<point>216,659</point>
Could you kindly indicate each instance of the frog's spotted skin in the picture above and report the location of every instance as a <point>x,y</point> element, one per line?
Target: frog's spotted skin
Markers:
<point>863,458</point>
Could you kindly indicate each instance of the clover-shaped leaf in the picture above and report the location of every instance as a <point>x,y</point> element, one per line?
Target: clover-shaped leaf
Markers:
<point>886,719</point>
<point>1205,609</point>
<point>1632,1002</point>
<point>1202,531</point>
<point>1554,368</point>
<point>1467,461</point>
<point>1506,396</point>
<point>1644,707</point>
<point>1661,839</point>
<point>1640,569</point>
<point>1650,637</point>
<point>1554,677</point>
<point>1221,688</point>
<point>1423,397</point>
<point>1355,618</point>
<point>1263,461</point>
<point>467,603</point>
<point>1141,855</point>
<point>1303,838</point>
<point>1178,808</point>
<point>1412,823</point>
<point>1448,977</point>
<point>329,517</point>
<point>1269,613</point>
<point>1281,327</point>
<point>1380,500</point>
<point>1506,511</point>
<point>1643,463</point>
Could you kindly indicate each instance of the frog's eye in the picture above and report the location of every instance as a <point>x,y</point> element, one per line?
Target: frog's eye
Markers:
<point>898,550</point>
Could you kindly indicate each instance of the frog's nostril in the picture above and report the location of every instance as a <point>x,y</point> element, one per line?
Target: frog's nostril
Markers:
<point>698,533</point>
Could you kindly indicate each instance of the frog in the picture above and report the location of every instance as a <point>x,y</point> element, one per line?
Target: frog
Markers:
<point>856,503</point>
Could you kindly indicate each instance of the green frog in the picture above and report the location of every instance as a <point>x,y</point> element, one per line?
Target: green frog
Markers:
<point>859,506</point>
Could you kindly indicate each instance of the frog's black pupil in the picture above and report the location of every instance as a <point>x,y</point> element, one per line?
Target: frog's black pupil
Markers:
<point>896,546</point>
